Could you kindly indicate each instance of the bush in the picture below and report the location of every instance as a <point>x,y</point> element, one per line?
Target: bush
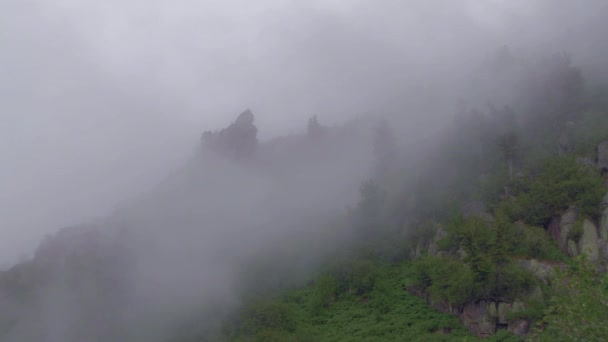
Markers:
<point>445,279</point>
<point>511,282</point>
<point>536,243</point>
<point>578,311</point>
<point>560,183</point>
<point>355,276</point>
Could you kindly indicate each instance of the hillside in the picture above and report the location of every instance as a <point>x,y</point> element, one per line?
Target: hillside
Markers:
<point>189,241</point>
<point>504,228</point>
<point>497,228</point>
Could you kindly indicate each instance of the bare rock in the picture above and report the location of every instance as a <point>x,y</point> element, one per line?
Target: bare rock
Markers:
<point>560,227</point>
<point>589,241</point>
<point>519,327</point>
<point>602,156</point>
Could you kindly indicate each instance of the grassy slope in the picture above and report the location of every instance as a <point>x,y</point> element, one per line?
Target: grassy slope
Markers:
<point>387,313</point>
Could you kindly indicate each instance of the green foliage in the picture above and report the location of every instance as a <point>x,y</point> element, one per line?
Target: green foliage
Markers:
<point>534,310</point>
<point>386,313</point>
<point>355,276</point>
<point>534,242</point>
<point>510,282</point>
<point>326,291</point>
<point>445,279</point>
<point>476,238</point>
<point>445,244</point>
<point>505,336</point>
<point>576,232</point>
<point>263,316</point>
<point>560,183</point>
<point>488,249</point>
<point>578,311</point>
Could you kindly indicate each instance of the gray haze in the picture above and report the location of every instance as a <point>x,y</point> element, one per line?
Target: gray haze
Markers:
<point>100,100</point>
<point>102,104</point>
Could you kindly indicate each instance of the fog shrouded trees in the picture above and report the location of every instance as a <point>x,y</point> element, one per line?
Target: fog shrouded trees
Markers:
<point>385,150</point>
<point>239,139</point>
<point>509,146</point>
<point>314,129</point>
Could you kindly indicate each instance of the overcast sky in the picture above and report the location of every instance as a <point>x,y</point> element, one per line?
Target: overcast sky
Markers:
<point>99,100</point>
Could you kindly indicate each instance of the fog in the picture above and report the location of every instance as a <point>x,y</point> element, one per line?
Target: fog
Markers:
<point>102,106</point>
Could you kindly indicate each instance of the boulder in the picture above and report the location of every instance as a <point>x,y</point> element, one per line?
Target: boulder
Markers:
<point>602,156</point>
<point>503,309</point>
<point>427,244</point>
<point>572,248</point>
<point>476,317</point>
<point>519,327</point>
<point>589,241</point>
<point>560,227</point>
<point>543,271</point>
<point>419,249</point>
<point>536,294</point>
<point>433,248</point>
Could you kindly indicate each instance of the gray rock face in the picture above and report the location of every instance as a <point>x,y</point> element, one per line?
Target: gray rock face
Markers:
<point>559,228</point>
<point>572,249</point>
<point>433,248</point>
<point>429,245</point>
<point>238,140</point>
<point>476,317</point>
<point>543,271</point>
<point>602,156</point>
<point>589,242</point>
<point>519,327</point>
<point>484,318</point>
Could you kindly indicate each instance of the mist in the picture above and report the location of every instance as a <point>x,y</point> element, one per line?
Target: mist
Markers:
<point>103,105</point>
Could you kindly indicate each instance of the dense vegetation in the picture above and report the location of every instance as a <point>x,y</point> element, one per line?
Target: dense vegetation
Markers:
<point>483,205</point>
<point>369,304</point>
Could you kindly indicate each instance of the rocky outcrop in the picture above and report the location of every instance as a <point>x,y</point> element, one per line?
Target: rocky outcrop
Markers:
<point>542,270</point>
<point>484,318</point>
<point>238,140</point>
<point>433,247</point>
<point>589,241</point>
<point>429,244</point>
<point>560,227</point>
<point>480,318</point>
<point>574,237</point>
<point>602,156</point>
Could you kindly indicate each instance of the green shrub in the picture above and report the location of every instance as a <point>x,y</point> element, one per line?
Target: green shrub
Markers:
<point>560,183</point>
<point>445,279</point>
<point>355,276</point>
<point>578,310</point>
<point>536,243</point>
<point>511,282</point>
